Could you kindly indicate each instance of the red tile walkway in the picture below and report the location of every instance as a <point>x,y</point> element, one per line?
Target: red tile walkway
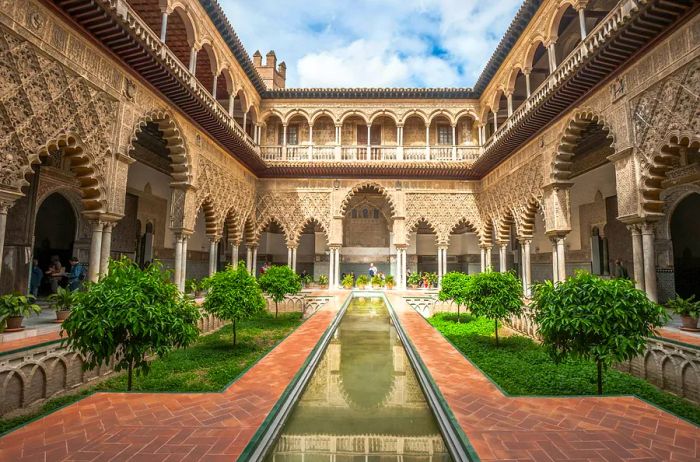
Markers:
<point>546,429</point>
<point>168,427</point>
<point>29,341</point>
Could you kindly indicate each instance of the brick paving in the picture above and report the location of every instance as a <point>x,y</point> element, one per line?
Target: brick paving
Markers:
<point>546,429</point>
<point>168,427</point>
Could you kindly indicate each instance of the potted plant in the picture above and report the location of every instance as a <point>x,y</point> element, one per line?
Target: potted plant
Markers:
<point>414,280</point>
<point>688,309</point>
<point>323,281</point>
<point>14,308</point>
<point>377,281</point>
<point>62,301</point>
<point>432,279</point>
<point>307,280</point>
<point>389,281</point>
<point>348,281</point>
<point>362,281</point>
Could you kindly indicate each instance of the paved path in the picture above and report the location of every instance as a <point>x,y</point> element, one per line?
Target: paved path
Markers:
<point>168,427</point>
<point>546,429</point>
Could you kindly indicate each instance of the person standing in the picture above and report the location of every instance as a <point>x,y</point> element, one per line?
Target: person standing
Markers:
<point>35,279</point>
<point>372,270</point>
<point>56,272</point>
<point>620,270</point>
<point>76,275</point>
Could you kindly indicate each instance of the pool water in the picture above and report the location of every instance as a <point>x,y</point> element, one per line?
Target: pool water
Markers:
<point>363,402</point>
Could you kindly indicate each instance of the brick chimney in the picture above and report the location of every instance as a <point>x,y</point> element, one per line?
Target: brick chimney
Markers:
<point>274,76</point>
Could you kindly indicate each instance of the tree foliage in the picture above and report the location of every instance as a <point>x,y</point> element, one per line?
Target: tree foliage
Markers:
<point>130,314</point>
<point>454,287</point>
<point>234,295</point>
<point>606,320</point>
<point>278,282</point>
<point>495,296</point>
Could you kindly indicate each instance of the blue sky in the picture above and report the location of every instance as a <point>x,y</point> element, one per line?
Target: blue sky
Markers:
<point>374,43</point>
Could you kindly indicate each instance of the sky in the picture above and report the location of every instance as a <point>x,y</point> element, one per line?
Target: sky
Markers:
<point>374,43</point>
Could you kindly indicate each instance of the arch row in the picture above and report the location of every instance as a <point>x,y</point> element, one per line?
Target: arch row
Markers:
<point>369,116</point>
<point>293,211</point>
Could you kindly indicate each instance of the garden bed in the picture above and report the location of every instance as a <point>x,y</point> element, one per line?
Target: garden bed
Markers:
<point>211,363</point>
<point>520,366</point>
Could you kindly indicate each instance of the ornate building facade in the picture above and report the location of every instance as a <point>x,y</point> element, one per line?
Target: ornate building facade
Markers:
<point>143,128</point>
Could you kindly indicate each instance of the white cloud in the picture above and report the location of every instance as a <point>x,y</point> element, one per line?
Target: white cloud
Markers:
<point>374,43</point>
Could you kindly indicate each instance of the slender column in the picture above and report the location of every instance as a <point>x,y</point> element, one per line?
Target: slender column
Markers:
<point>555,260</point>
<point>404,267</point>
<point>552,57</point>
<point>95,250</point>
<point>561,259</point>
<point>294,259</point>
<point>495,121</point>
<point>255,261</point>
<point>527,84</point>
<point>488,257</point>
<point>249,259</point>
<point>527,267</point>
<point>444,261</point>
<point>213,241</point>
<point>398,276</point>
<point>106,248</point>
<point>509,98</point>
<point>231,103</point>
<point>481,135</point>
<point>284,141</point>
<point>311,141</point>
<point>4,207</point>
<point>337,135</point>
<point>245,122</point>
<point>289,257</point>
<point>213,87</point>
<point>502,262</point>
<point>582,23</point>
<point>649,261</point>
<point>331,265</point>
<point>439,266</point>
<point>193,60</point>
<point>163,26</point>
<point>427,141</point>
<point>234,253</point>
<point>178,260</point>
<point>369,141</point>
<point>183,272</point>
<point>637,256</point>
<point>483,259</point>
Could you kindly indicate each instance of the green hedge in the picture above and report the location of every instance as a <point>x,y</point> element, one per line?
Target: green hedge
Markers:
<point>520,366</point>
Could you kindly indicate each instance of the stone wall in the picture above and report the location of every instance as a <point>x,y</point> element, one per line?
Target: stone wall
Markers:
<point>671,366</point>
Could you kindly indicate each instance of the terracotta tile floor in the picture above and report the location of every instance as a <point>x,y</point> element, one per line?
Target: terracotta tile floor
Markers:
<point>546,429</point>
<point>679,336</point>
<point>159,427</point>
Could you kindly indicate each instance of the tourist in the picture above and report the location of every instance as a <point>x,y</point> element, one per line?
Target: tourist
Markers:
<point>77,274</point>
<point>35,279</point>
<point>620,270</point>
<point>56,273</point>
<point>372,270</point>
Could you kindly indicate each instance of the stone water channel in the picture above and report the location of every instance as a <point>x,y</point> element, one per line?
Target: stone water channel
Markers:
<point>363,401</point>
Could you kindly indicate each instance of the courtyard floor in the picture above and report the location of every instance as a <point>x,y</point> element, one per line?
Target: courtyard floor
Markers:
<point>218,426</point>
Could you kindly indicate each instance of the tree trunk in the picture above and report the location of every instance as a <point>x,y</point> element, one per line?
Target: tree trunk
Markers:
<point>457,313</point>
<point>275,309</point>
<point>129,380</point>
<point>234,332</point>
<point>495,329</point>
<point>599,365</point>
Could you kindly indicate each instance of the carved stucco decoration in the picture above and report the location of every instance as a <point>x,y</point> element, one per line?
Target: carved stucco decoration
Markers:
<point>293,211</point>
<point>44,106</point>
<point>663,117</point>
<point>443,212</point>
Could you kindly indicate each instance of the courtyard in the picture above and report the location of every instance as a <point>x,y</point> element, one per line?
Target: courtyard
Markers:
<point>204,256</point>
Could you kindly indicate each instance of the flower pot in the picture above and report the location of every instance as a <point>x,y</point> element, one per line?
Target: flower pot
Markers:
<point>14,323</point>
<point>690,323</point>
<point>390,286</point>
<point>361,286</point>
<point>323,286</point>
<point>62,315</point>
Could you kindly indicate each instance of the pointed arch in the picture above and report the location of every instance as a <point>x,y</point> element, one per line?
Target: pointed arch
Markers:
<point>180,160</point>
<point>572,135</point>
<point>360,187</point>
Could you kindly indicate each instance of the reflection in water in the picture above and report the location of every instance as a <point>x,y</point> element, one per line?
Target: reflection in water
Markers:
<point>363,401</point>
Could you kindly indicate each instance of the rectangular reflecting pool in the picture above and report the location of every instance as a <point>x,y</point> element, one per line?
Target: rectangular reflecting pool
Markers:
<point>363,401</point>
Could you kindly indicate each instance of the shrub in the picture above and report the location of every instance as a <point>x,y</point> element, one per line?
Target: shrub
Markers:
<point>454,287</point>
<point>432,279</point>
<point>377,281</point>
<point>362,281</point>
<point>233,295</point>
<point>414,279</point>
<point>130,314</point>
<point>278,282</point>
<point>606,320</point>
<point>495,296</point>
<point>348,281</point>
<point>62,300</point>
<point>389,281</point>
<point>323,280</point>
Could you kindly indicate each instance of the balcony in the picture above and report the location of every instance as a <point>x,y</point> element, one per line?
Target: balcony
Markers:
<point>354,153</point>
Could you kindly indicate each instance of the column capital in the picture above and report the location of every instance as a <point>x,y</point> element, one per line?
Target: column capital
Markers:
<point>214,238</point>
<point>647,227</point>
<point>525,240</point>
<point>7,199</point>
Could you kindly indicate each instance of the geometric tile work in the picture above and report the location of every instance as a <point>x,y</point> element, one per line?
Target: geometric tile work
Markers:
<point>169,426</point>
<point>546,429</point>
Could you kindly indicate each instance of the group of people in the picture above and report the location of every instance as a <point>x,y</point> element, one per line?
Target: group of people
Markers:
<point>57,275</point>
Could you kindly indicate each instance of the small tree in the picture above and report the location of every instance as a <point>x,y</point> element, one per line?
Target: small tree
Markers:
<point>234,294</point>
<point>494,296</point>
<point>454,287</point>
<point>606,320</point>
<point>129,315</point>
<point>278,282</point>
